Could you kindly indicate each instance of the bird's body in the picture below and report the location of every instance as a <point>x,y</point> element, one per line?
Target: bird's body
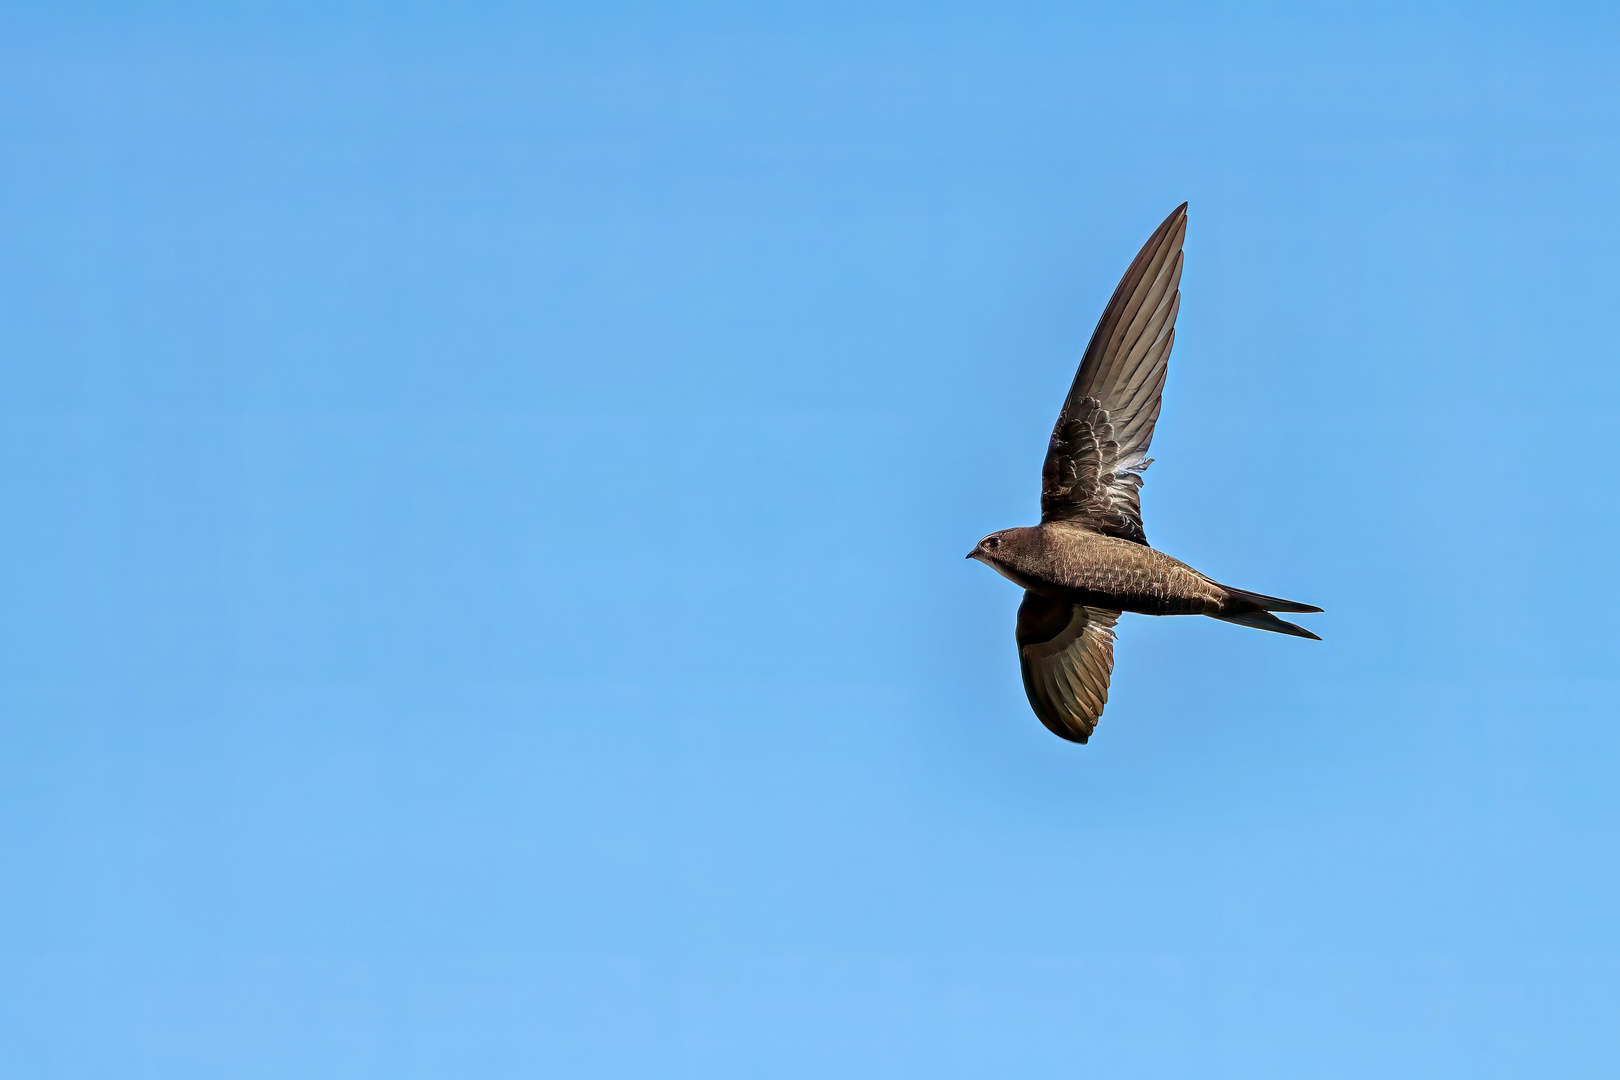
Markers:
<point>1065,561</point>
<point>1088,560</point>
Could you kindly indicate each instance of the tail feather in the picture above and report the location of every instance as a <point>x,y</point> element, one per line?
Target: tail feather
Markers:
<point>1266,603</point>
<point>1254,609</point>
<point>1264,620</point>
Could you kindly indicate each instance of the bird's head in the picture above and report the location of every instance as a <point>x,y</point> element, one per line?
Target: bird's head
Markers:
<point>986,550</point>
<point>1005,550</point>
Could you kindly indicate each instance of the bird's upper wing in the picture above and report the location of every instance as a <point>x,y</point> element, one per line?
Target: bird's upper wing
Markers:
<point>1066,653</point>
<point>1094,464</point>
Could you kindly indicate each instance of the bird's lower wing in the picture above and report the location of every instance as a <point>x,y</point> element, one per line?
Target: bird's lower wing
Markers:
<point>1066,654</point>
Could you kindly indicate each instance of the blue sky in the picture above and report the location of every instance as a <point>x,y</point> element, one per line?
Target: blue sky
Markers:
<point>482,503</point>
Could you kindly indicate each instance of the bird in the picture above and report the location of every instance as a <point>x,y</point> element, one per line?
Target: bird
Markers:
<point>1089,561</point>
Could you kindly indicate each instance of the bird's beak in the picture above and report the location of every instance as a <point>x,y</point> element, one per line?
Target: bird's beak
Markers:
<point>974,554</point>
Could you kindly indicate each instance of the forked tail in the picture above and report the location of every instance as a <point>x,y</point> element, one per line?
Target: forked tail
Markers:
<point>1254,609</point>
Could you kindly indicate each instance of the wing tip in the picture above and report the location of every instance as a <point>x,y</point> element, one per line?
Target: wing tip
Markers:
<point>1173,220</point>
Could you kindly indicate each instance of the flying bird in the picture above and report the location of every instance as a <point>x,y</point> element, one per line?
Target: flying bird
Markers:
<point>1089,560</point>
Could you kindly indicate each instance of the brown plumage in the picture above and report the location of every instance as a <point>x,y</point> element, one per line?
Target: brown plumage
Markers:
<point>1089,560</point>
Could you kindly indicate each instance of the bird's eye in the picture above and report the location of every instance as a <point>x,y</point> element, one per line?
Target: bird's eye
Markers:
<point>993,542</point>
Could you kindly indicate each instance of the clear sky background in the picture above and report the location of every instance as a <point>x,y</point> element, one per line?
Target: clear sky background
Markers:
<point>483,496</point>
